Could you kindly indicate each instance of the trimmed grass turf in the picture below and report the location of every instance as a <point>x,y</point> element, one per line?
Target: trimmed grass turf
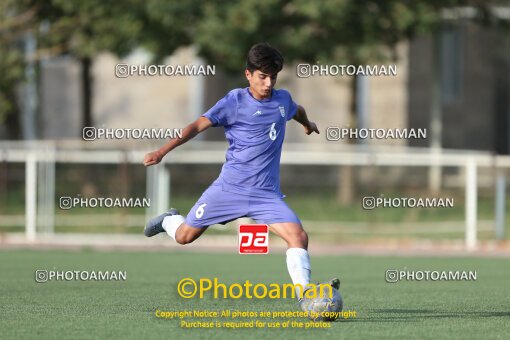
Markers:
<point>122,309</point>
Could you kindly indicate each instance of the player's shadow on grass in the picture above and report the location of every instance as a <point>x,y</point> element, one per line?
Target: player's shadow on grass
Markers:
<point>413,315</point>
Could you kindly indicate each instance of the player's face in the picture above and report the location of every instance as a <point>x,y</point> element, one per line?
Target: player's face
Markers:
<point>261,83</point>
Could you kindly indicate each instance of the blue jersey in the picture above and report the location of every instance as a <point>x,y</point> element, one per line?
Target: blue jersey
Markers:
<point>255,130</point>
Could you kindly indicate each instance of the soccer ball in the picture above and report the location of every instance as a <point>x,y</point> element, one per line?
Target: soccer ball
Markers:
<point>323,307</point>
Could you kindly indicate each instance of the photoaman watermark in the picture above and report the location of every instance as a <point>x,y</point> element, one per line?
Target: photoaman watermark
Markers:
<point>189,288</point>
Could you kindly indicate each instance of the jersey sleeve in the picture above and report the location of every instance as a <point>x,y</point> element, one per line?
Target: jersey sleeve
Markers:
<point>292,108</point>
<point>224,112</point>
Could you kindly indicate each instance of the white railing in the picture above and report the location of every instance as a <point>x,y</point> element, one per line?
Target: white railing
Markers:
<point>158,177</point>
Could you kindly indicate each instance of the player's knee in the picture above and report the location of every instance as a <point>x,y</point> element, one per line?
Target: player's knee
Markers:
<point>303,237</point>
<point>180,239</point>
<point>183,238</point>
<point>299,239</point>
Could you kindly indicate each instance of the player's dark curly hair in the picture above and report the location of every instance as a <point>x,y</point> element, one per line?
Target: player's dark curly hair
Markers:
<point>264,58</point>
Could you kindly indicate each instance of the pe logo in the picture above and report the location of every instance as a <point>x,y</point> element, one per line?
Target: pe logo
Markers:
<point>253,239</point>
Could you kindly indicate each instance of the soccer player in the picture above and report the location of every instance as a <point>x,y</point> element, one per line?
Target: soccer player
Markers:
<point>254,120</point>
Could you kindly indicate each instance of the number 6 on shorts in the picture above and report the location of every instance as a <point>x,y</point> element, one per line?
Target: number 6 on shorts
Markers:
<point>200,211</point>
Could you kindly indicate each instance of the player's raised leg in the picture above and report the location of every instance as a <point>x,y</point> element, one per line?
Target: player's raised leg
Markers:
<point>214,207</point>
<point>173,223</point>
<point>186,234</point>
<point>155,225</point>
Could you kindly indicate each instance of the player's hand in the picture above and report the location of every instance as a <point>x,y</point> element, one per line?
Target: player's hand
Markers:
<point>152,158</point>
<point>312,127</point>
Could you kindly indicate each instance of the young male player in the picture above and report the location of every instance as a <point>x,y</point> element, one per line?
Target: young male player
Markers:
<point>254,120</point>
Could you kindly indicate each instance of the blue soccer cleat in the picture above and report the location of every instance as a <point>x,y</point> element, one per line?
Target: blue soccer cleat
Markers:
<point>155,226</point>
<point>335,283</point>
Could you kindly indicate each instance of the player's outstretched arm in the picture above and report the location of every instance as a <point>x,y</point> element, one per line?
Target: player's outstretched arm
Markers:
<point>190,131</point>
<point>302,118</point>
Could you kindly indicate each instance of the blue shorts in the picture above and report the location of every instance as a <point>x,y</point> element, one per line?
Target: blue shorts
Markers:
<point>217,206</point>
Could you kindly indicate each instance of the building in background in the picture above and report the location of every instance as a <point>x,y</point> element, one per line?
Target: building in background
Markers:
<point>470,64</point>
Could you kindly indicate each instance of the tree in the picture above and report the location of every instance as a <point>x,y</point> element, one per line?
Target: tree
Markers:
<point>169,25</point>
<point>326,31</point>
<point>16,17</point>
<point>84,29</point>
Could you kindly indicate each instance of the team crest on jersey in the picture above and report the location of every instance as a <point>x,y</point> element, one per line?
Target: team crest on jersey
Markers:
<point>282,110</point>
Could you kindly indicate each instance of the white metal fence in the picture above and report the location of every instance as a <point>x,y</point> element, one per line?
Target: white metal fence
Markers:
<point>40,158</point>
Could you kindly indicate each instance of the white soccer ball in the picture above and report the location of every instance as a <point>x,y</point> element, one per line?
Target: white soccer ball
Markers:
<point>325,306</point>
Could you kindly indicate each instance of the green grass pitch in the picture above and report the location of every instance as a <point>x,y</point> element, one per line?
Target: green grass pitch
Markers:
<point>78,310</point>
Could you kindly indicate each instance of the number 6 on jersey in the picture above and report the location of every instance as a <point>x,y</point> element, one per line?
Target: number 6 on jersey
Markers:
<point>272,132</point>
